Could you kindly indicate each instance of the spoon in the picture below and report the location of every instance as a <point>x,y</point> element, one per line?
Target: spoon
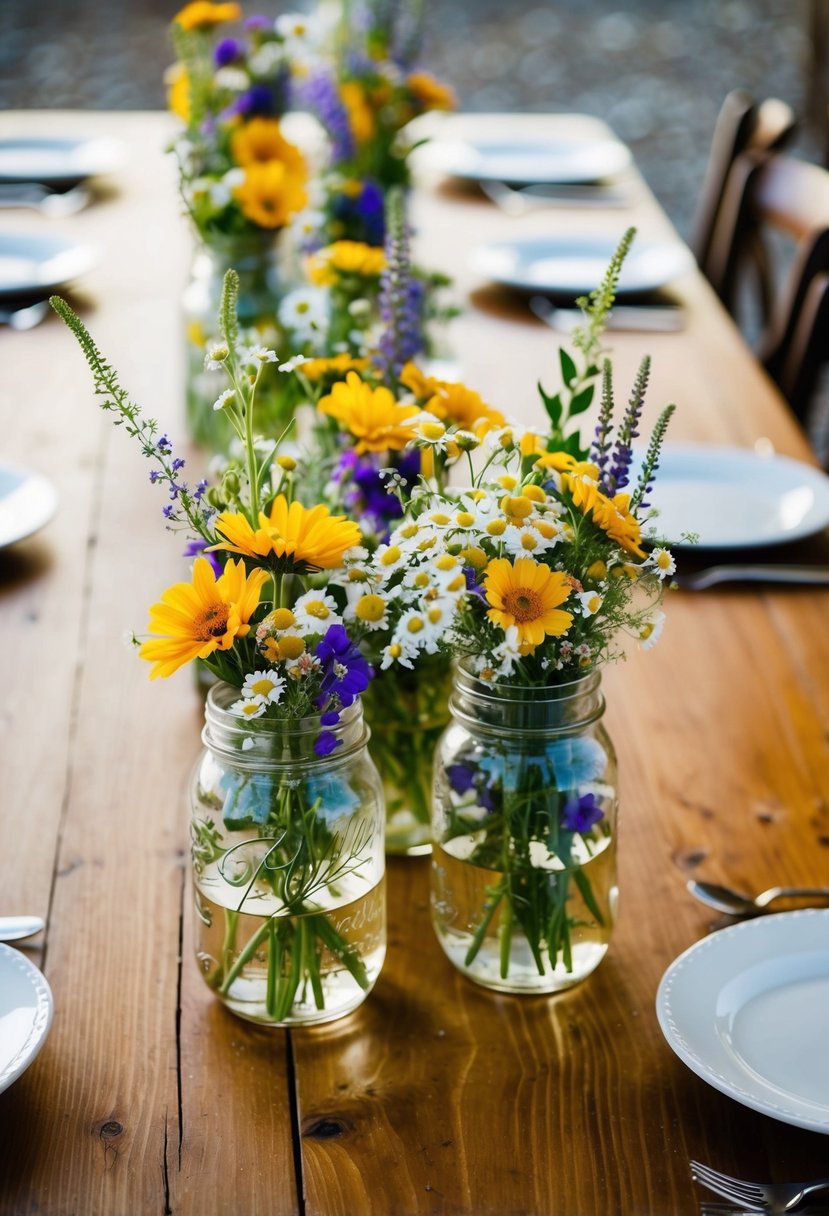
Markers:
<point>24,318</point>
<point>733,903</point>
<point>14,927</point>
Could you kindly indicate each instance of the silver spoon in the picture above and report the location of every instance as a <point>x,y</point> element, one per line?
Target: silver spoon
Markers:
<point>733,903</point>
<point>55,204</point>
<point>14,927</point>
<point>24,318</point>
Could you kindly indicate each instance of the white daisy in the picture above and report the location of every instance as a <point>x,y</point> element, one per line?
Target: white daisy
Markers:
<point>314,612</point>
<point>266,686</point>
<point>651,631</point>
<point>370,609</point>
<point>663,562</point>
<point>590,602</point>
<point>258,354</point>
<point>252,707</point>
<point>215,356</point>
<point>223,399</point>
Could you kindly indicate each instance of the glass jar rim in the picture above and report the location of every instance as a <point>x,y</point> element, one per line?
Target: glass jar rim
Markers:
<point>536,709</point>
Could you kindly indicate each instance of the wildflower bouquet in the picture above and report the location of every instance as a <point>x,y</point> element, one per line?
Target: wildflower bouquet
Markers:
<point>550,535</point>
<point>239,176</point>
<point>364,91</point>
<point>281,844</point>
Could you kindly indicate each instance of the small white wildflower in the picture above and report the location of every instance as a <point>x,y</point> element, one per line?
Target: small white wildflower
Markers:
<point>294,363</point>
<point>651,631</point>
<point>590,602</point>
<point>253,707</point>
<point>216,356</point>
<point>266,685</point>
<point>663,562</point>
<point>232,78</point>
<point>223,399</point>
<point>259,354</point>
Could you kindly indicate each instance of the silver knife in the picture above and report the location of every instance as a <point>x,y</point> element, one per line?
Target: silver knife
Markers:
<point>699,580</point>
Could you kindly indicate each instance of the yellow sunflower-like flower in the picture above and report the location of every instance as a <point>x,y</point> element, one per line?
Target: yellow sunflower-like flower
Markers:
<point>337,365</point>
<point>430,93</point>
<point>360,114</point>
<point>195,619</point>
<point>305,538</point>
<point>345,258</point>
<point>261,140</point>
<point>271,193</point>
<point>201,14</point>
<point>464,407</point>
<point>527,594</point>
<point>421,385</point>
<point>378,422</point>
<point>178,92</point>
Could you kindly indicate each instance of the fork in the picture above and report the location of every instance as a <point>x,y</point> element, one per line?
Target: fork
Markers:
<point>516,200</point>
<point>776,1198</point>
<point>699,580</point>
<point>55,204</point>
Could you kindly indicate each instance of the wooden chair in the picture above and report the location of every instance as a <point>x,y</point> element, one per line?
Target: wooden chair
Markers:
<point>741,124</point>
<point>769,199</point>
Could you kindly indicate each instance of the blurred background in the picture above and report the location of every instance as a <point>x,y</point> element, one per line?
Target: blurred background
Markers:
<point>656,70</point>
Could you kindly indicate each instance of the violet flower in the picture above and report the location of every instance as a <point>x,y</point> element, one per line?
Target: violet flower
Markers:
<point>346,673</point>
<point>580,814</point>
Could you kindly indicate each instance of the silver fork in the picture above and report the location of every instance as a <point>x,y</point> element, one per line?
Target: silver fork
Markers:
<point>699,580</point>
<point>517,200</point>
<point>54,204</point>
<point>776,1198</point>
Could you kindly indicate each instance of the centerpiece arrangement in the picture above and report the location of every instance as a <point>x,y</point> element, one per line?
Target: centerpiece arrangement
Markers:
<point>241,181</point>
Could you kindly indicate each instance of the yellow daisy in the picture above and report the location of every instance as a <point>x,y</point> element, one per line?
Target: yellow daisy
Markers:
<point>316,369</point>
<point>178,92</point>
<point>378,422</point>
<point>304,539</point>
<point>527,594</point>
<point>201,14</point>
<point>421,385</point>
<point>463,407</point>
<point>261,140</point>
<point>195,619</point>
<point>360,114</point>
<point>431,94</point>
<point>271,193</point>
<point>345,258</point>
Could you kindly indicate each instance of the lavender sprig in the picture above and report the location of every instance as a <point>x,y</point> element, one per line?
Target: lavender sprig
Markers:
<point>600,447</point>
<point>651,461</point>
<point>186,507</point>
<point>320,95</point>
<point>618,474</point>
<point>401,298</point>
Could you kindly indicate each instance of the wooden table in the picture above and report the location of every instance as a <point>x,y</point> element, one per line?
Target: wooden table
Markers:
<point>436,1096</point>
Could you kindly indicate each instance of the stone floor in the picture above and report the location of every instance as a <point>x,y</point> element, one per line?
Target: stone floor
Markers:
<point>656,70</point>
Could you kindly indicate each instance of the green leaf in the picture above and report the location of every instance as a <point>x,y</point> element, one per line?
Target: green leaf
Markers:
<point>581,401</point>
<point>552,405</point>
<point>568,367</point>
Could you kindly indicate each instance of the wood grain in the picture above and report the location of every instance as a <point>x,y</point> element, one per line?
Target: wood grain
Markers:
<point>436,1096</point>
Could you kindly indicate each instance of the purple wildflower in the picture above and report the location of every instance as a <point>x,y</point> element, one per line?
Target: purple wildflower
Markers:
<point>580,814</point>
<point>618,475</point>
<point>461,777</point>
<point>326,742</point>
<point>345,672</point>
<point>196,548</point>
<point>228,51</point>
<point>472,584</point>
<point>154,475</point>
<point>164,446</point>
<point>401,298</point>
<point>319,94</point>
<point>167,511</point>
<point>362,216</point>
<point>256,22</point>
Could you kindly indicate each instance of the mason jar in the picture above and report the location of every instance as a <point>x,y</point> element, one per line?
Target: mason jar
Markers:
<point>258,260</point>
<point>288,865</point>
<point>523,872</point>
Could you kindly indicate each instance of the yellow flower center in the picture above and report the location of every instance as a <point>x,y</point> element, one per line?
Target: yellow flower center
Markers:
<point>496,527</point>
<point>281,618</point>
<point>534,493</point>
<point>291,647</point>
<point>528,541</point>
<point>415,624</point>
<point>391,556</point>
<point>261,688</point>
<point>464,519</point>
<point>370,608</point>
<point>211,623</point>
<point>446,562</point>
<point>318,609</point>
<point>524,604</point>
<point>432,430</point>
<point>519,508</point>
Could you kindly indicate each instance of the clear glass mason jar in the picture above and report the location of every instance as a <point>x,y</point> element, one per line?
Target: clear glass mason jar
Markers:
<point>259,261</point>
<point>523,882</point>
<point>407,712</point>
<point>288,865</point>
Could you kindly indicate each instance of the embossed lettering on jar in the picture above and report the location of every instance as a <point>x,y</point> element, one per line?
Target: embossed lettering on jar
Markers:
<point>524,834</point>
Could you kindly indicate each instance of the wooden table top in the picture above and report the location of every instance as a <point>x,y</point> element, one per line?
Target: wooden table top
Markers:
<point>435,1096</point>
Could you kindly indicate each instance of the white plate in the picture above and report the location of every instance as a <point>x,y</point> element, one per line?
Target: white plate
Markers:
<point>35,264</point>
<point>27,502</point>
<point>25,1013</point>
<point>747,1009</point>
<point>529,161</point>
<point>734,498</point>
<point>575,265</point>
<point>67,161</point>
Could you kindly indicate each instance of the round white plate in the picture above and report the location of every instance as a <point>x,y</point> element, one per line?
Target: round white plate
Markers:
<point>575,265</point>
<point>67,161</point>
<point>734,498</point>
<point>530,161</point>
<point>747,1009</point>
<point>25,1013</point>
<point>27,502</point>
<point>36,263</point>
